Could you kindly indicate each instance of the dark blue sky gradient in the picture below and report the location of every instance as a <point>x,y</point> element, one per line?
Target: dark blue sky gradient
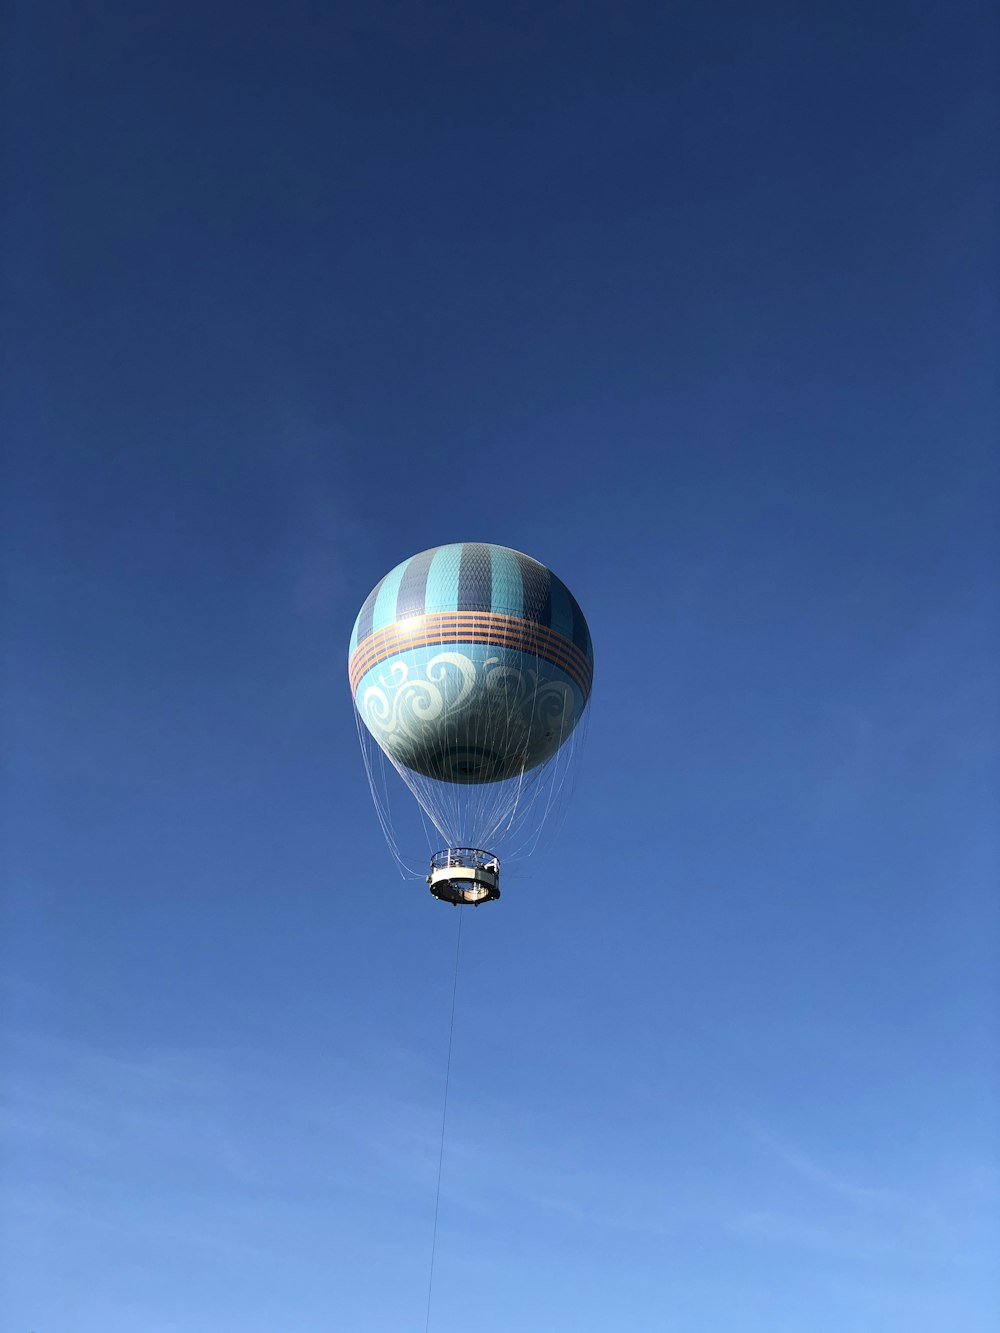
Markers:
<point>697,305</point>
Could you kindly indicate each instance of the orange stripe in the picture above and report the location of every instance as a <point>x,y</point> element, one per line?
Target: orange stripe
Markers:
<point>455,633</point>
<point>509,629</point>
<point>524,631</point>
<point>458,621</point>
<point>472,627</point>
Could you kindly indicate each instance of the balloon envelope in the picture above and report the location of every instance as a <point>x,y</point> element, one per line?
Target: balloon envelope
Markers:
<point>470,663</point>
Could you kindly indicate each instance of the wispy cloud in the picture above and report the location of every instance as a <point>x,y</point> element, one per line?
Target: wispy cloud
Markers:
<point>528,1169</point>
<point>807,1202</point>
<point>202,1151</point>
<point>809,1168</point>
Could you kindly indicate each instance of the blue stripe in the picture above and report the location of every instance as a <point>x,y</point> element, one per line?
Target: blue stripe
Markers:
<point>384,611</point>
<point>581,633</point>
<point>508,586</point>
<point>442,579</point>
<point>363,627</point>
<point>412,592</point>
<point>536,580</point>
<point>562,608</point>
<point>475,578</point>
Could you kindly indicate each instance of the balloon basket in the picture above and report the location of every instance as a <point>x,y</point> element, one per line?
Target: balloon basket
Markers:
<point>464,876</point>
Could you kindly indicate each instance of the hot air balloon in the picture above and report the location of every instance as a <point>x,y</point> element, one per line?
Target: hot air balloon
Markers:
<point>471,668</point>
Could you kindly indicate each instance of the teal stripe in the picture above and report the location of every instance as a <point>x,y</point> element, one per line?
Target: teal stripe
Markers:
<point>354,640</point>
<point>562,607</point>
<point>385,603</point>
<point>508,586</point>
<point>442,579</point>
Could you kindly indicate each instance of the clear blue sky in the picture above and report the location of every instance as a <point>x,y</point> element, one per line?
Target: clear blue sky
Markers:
<point>696,304</point>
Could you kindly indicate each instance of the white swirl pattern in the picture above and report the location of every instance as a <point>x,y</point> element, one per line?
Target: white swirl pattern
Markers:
<point>466,721</point>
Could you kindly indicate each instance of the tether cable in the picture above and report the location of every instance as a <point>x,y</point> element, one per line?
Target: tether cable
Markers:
<point>444,1119</point>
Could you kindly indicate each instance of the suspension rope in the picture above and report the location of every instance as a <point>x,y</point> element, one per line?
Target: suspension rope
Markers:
<point>444,1119</point>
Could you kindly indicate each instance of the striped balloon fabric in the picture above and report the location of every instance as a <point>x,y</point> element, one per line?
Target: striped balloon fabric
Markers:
<point>470,663</point>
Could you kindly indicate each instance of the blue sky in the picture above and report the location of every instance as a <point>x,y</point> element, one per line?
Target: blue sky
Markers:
<point>697,306</point>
